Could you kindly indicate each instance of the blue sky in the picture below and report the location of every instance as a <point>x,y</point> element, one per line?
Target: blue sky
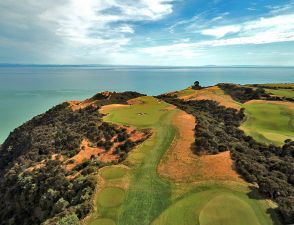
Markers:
<point>147,32</point>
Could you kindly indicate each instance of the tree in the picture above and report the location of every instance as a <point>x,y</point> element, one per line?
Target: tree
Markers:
<point>196,85</point>
<point>70,219</point>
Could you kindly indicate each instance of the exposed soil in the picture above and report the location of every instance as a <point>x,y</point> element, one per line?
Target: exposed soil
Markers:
<point>76,105</point>
<point>86,151</point>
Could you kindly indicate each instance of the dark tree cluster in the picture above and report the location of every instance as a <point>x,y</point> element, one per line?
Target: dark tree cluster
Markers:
<point>114,97</point>
<point>196,86</point>
<point>48,194</point>
<point>271,167</point>
<point>243,94</point>
<point>273,87</point>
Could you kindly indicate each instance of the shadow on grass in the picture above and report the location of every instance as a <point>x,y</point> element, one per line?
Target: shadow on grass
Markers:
<point>256,195</point>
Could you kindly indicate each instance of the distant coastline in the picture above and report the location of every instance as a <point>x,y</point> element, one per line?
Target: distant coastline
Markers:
<point>142,66</point>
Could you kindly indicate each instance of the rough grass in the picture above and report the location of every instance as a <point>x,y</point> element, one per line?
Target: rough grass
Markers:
<point>181,165</point>
<point>213,93</point>
<point>268,122</point>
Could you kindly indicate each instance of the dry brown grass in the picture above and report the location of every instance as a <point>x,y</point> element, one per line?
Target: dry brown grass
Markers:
<point>181,165</point>
<point>215,94</point>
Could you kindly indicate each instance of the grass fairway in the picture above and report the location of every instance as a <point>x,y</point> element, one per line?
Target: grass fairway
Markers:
<point>113,172</point>
<point>268,122</point>
<point>215,206</point>
<point>111,197</point>
<point>147,195</point>
<point>102,222</point>
<point>149,199</point>
<point>288,93</point>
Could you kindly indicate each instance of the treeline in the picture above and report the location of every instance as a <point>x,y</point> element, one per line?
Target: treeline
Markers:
<point>114,97</point>
<point>46,193</point>
<point>271,167</point>
<point>273,87</point>
<point>243,94</point>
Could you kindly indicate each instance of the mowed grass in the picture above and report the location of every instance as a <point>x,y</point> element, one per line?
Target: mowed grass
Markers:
<point>147,198</point>
<point>215,206</point>
<point>288,93</point>
<point>268,122</point>
<point>113,172</point>
<point>102,222</point>
<point>111,197</point>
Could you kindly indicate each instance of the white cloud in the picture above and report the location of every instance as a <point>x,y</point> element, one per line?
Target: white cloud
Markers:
<point>261,31</point>
<point>222,31</point>
<point>96,21</point>
<point>78,27</point>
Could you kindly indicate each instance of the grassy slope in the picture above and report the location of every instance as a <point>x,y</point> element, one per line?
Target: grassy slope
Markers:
<point>288,93</point>
<point>149,199</point>
<point>268,122</point>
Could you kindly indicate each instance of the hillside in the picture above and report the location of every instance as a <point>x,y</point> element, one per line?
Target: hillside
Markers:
<point>183,157</point>
<point>47,164</point>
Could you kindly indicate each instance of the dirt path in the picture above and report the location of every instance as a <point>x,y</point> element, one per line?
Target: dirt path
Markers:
<point>180,164</point>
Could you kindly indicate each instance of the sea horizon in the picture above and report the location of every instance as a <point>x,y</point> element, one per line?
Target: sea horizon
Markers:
<point>26,91</point>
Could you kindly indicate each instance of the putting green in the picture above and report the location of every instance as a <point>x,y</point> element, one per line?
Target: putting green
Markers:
<point>227,210</point>
<point>113,172</point>
<point>268,122</point>
<point>102,222</point>
<point>215,207</point>
<point>111,197</point>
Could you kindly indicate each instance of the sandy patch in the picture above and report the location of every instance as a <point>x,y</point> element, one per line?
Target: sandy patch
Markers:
<point>76,105</point>
<point>105,109</point>
<point>85,153</point>
<point>36,167</point>
<point>180,164</point>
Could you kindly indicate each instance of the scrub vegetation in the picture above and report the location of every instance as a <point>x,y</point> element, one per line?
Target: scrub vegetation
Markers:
<point>42,179</point>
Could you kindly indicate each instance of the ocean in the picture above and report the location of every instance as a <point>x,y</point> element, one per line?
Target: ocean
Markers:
<point>26,91</point>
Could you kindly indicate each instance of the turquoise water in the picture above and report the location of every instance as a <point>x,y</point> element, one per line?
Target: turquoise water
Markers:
<point>29,91</point>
